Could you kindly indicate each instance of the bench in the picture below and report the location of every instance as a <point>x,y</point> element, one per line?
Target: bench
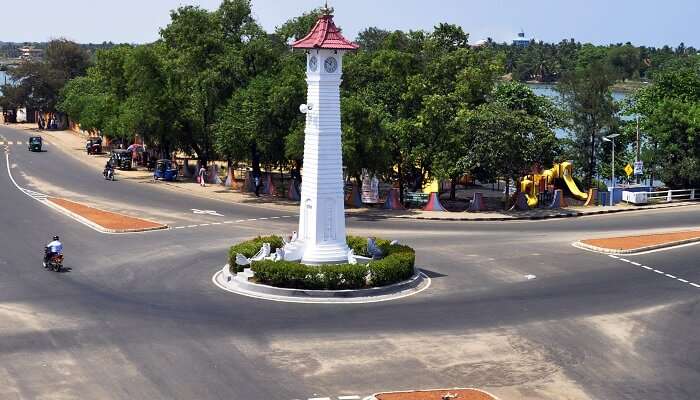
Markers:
<point>415,199</point>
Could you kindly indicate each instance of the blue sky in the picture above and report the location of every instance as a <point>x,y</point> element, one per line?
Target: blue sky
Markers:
<point>598,21</point>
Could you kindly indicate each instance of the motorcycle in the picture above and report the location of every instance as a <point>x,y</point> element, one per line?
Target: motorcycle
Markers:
<point>54,263</point>
<point>108,174</point>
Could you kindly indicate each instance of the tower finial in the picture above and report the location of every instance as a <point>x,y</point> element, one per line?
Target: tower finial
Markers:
<point>325,10</point>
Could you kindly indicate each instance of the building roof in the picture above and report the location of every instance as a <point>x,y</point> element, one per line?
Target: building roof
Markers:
<point>325,35</point>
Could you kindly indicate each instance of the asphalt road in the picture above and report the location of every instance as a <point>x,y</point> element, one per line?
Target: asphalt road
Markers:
<point>137,316</point>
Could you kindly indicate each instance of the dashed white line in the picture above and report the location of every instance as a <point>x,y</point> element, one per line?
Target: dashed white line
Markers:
<point>275,217</point>
<point>261,219</point>
<point>216,223</point>
<point>204,224</point>
<point>658,272</point>
<point>349,397</point>
<point>228,222</point>
<point>180,227</point>
<point>191,226</point>
<point>320,398</point>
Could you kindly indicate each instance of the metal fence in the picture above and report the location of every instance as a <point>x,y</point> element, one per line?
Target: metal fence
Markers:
<point>663,196</point>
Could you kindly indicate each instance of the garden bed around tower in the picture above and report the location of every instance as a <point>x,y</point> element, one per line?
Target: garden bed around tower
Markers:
<point>397,265</point>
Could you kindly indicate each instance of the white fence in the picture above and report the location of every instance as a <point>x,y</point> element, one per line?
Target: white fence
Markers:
<point>661,196</point>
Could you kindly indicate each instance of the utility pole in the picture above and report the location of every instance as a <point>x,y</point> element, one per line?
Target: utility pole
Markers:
<point>637,154</point>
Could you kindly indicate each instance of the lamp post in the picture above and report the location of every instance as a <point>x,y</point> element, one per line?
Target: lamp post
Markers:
<point>611,138</point>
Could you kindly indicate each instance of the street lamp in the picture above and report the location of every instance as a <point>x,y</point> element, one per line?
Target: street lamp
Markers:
<point>611,138</point>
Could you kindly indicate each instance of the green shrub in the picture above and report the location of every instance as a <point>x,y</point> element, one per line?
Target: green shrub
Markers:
<point>396,266</point>
<point>251,248</point>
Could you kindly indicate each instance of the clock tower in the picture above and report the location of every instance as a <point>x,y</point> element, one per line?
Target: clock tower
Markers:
<point>321,235</point>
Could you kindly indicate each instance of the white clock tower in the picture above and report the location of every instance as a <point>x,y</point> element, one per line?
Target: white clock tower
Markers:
<point>321,235</point>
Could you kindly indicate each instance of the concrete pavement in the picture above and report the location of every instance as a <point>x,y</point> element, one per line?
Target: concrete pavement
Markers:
<point>138,317</point>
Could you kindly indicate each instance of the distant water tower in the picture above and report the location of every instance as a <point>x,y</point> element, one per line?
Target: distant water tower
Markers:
<point>521,40</point>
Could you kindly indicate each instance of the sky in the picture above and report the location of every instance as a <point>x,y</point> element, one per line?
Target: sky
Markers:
<point>641,22</point>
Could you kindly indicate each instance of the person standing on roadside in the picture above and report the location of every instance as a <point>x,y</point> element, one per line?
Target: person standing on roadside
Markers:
<point>202,175</point>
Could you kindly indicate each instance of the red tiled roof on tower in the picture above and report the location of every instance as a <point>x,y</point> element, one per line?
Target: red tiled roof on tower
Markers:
<point>325,35</point>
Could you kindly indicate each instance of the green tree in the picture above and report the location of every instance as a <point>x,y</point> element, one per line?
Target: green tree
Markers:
<point>669,112</point>
<point>590,111</point>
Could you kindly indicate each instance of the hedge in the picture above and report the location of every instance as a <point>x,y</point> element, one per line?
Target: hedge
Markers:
<point>396,266</point>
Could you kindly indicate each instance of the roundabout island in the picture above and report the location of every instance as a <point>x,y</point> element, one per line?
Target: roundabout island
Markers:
<point>320,263</point>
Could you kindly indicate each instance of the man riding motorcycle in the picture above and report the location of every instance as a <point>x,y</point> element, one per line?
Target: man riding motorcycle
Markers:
<point>54,248</point>
<point>109,170</point>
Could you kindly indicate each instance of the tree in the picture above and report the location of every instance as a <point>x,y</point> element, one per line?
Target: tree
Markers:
<point>40,82</point>
<point>625,60</point>
<point>591,112</point>
<point>669,111</point>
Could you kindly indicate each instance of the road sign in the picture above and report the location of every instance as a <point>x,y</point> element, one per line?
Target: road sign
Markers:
<point>629,169</point>
<point>210,212</point>
<point>639,167</point>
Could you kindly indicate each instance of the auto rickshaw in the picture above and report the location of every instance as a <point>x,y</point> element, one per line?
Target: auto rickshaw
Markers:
<point>165,170</point>
<point>121,159</point>
<point>94,145</point>
<point>34,143</point>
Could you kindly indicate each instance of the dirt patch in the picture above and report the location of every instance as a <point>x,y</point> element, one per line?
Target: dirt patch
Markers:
<point>108,220</point>
<point>642,241</point>
<point>442,394</point>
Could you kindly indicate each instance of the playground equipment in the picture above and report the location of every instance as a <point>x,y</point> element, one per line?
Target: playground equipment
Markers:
<point>559,176</point>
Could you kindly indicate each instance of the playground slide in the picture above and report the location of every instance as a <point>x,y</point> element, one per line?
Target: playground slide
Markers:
<point>531,200</point>
<point>574,189</point>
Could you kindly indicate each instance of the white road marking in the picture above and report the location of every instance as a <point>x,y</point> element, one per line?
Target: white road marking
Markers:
<point>228,222</point>
<point>349,397</point>
<point>19,142</point>
<point>262,219</point>
<point>320,398</point>
<point>191,226</point>
<point>210,212</point>
<point>203,224</point>
<point>240,220</point>
<point>180,227</point>
<point>9,143</point>
<point>275,217</point>
<point>659,272</point>
<point>216,223</point>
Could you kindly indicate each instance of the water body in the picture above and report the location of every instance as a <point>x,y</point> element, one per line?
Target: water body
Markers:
<point>550,92</point>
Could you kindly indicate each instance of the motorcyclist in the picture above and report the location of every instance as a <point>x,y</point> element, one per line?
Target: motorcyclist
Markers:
<point>54,248</point>
<point>108,167</point>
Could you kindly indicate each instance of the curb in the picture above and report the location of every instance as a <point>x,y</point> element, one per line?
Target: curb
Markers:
<point>374,396</point>
<point>637,250</point>
<point>227,281</point>
<point>572,214</point>
<point>94,225</point>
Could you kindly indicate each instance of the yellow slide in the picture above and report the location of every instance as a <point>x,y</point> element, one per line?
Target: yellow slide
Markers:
<point>527,186</point>
<point>566,174</point>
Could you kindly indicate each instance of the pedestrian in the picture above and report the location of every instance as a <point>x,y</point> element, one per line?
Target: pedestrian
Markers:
<point>202,175</point>
<point>256,179</point>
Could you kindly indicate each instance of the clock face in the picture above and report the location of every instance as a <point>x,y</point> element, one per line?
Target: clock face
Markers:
<point>331,65</point>
<point>313,63</point>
